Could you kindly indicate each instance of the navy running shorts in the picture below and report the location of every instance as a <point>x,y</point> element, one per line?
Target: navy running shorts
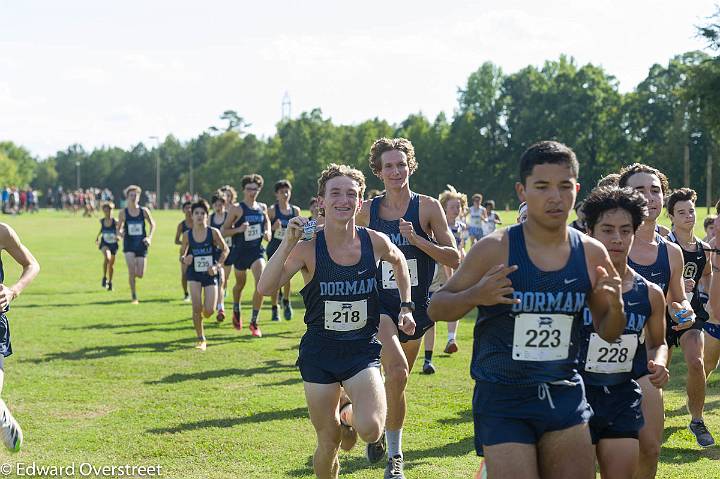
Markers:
<point>245,261</point>
<point>617,411</point>
<point>139,248</point>
<point>510,413</point>
<point>328,361</point>
<point>5,345</point>
<point>203,278</point>
<point>113,247</point>
<point>673,337</point>
<point>712,329</point>
<point>422,321</point>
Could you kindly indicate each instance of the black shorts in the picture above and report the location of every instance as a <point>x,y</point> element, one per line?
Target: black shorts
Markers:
<point>230,260</point>
<point>203,278</point>
<point>139,248</point>
<point>245,261</point>
<point>673,337</point>
<point>327,361</point>
<point>617,411</point>
<point>113,247</point>
<point>422,321</point>
<point>5,345</point>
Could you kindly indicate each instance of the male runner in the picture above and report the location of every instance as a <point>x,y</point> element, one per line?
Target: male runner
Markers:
<point>136,240</point>
<point>340,347</point>
<point>529,403</point>
<point>108,244</point>
<point>185,225</point>
<point>410,220</point>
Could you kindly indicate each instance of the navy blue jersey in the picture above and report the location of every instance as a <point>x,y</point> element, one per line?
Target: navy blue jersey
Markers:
<point>341,302</point>
<point>279,233</point>
<point>458,231</point>
<point>185,227</point>
<point>536,341</point>
<point>420,264</point>
<point>694,263</point>
<point>608,364</point>
<point>251,239</point>
<point>203,253</point>
<point>214,216</point>
<point>108,234</point>
<point>134,229</point>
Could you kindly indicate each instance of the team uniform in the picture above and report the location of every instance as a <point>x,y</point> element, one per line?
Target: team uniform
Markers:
<point>694,265</point>
<point>204,256</point>
<point>5,345</point>
<point>342,316</point>
<point>135,233</point>
<point>607,369</point>
<point>525,355</point>
<point>248,244</point>
<point>420,265</point>
<point>475,225</point>
<point>658,273</point>
<point>108,236</point>
<point>279,233</point>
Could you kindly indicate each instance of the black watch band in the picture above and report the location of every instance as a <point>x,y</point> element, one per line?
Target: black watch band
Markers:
<point>408,304</point>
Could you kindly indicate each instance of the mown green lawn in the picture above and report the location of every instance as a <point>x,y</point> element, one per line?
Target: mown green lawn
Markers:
<point>96,379</point>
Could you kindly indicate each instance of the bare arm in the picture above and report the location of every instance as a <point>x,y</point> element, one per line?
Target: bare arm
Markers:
<point>120,224</point>
<point>287,260</point>
<point>268,230</point>
<point>232,216</point>
<point>605,300</point>
<point>10,242</point>
<point>363,217</point>
<point>150,220</point>
<point>655,338</point>
<point>676,299</point>
<point>444,252</point>
<point>178,234</point>
<point>219,243</point>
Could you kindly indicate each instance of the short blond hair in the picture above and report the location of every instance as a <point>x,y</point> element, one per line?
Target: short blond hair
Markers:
<point>452,194</point>
<point>389,144</point>
<point>132,188</point>
<point>334,170</point>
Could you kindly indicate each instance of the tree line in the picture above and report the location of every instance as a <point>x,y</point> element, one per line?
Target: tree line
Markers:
<point>670,120</point>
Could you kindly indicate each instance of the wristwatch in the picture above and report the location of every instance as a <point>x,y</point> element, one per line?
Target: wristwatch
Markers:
<point>408,304</point>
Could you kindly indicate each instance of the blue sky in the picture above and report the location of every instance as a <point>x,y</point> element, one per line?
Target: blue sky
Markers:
<point>114,73</point>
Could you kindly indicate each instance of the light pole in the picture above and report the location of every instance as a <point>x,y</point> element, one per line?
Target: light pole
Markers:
<point>158,198</point>
<point>77,173</point>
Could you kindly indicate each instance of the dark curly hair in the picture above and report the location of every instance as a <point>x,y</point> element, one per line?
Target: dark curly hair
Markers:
<point>388,144</point>
<point>606,198</point>
<point>682,194</point>
<point>628,171</point>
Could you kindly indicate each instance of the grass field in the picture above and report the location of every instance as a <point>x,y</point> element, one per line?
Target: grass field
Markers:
<point>96,379</point>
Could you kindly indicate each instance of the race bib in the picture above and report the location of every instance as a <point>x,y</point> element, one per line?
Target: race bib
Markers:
<point>609,358</point>
<point>476,221</point>
<point>279,233</point>
<point>345,315</point>
<point>388,275</point>
<point>253,232</point>
<point>135,229</point>
<point>109,237</point>
<point>541,337</point>
<point>202,263</point>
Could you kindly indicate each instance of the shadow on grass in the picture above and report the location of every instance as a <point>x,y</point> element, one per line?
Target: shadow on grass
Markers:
<point>266,416</point>
<point>682,410</point>
<point>120,324</point>
<point>687,455</point>
<point>462,417</point>
<point>51,304</point>
<point>104,351</point>
<point>272,366</point>
<point>412,458</point>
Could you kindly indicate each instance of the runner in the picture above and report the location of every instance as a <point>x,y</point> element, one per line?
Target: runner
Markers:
<point>230,200</point>
<point>659,262</point>
<point>107,243</point>
<point>136,240</point>
<point>529,403</point>
<point>410,220</point>
<point>217,220</point>
<point>709,227</point>
<point>203,251</point>
<point>182,227</point>
<point>279,215</point>
<point>697,274</point>
<point>340,347</point>
<point>612,216</point>
<point>248,224</point>
<point>10,432</point>
<point>579,222</point>
<point>477,215</point>
<point>492,220</point>
<point>613,179</point>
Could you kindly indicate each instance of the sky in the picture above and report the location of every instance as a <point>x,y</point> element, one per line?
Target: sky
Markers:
<point>103,73</point>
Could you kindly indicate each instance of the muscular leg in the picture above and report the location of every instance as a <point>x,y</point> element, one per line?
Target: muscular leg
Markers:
<point>240,277</point>
<point>712,354</point>
<point>183,277</point>
<point>130,260</point>
<point>566,454</point>
<point>411,349</point>
<point>257,268</point>
<point>511,460</point>
<point>111,267</point>
<point>396,370</point>
<point>322,401</point>
<point>367,393</point>
<point>652,432</point>
<point>106,259</point>
<point>618,457</point>
<point>210,300</point>
<point>140,266</point>
<point>692,346</point>
<point>197,308</point>
<point>429,338</point>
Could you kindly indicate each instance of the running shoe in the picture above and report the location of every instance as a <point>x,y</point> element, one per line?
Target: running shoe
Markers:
<point>220,315</point>
<point>134,300</point>
<point>702,435</point>
<point>186,298</point>
<point>394,468</point>
<point>12,435</point>
<point>275,315</point>
<point>109,286</point>
<point>255,329</point>
<point>428,368</point>
<point>451,347</point>
<point>104,282</point>
<point>287,311</point>
<point>237,320</point>
<point>201,345</point>
<point>375,451</point>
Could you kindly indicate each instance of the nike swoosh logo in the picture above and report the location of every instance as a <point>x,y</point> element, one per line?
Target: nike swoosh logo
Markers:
<point>362,272</point>
<point>655,274</point>
<point>568,281</point>
<point>633,304</point>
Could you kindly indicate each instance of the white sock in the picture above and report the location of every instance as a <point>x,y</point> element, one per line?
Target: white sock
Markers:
<point>394,442</point>
<point>221,307</point>
<point>451,336</point>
